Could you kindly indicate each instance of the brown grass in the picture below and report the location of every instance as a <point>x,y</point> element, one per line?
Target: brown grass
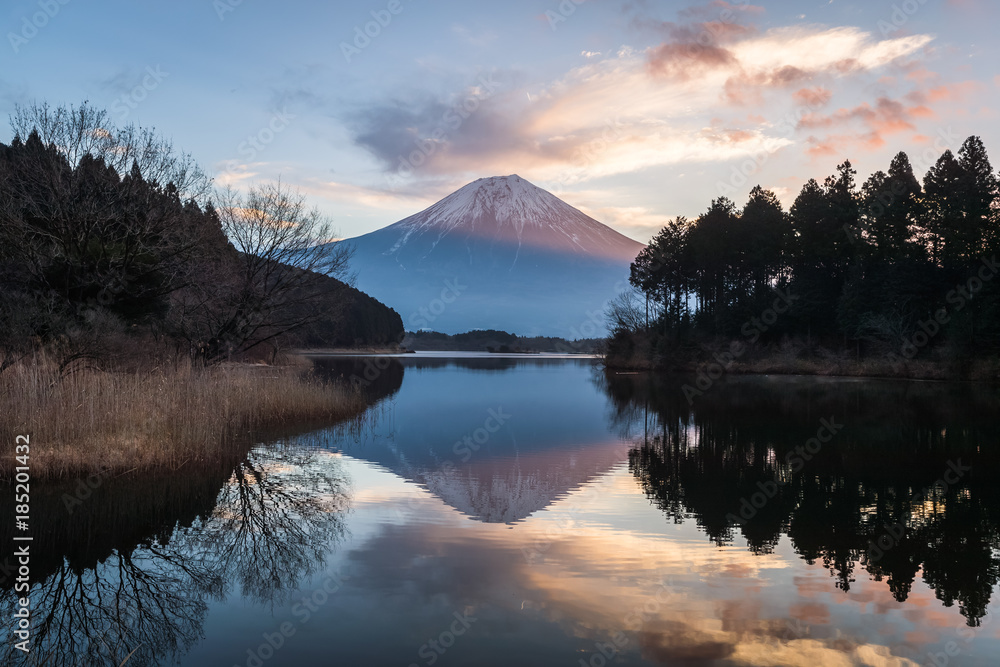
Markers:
<point>91,421</point>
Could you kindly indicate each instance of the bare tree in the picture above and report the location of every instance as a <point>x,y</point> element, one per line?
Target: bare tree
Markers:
<point>283,278</point>
<point>625,313</point>
<point>77,132</point>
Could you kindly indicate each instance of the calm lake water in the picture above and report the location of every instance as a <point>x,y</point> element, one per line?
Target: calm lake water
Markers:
<point>537,511</point>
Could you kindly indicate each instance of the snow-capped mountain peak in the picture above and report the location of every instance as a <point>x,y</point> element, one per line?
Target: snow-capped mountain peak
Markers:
<point>499,253</point>
<point>511,209</point>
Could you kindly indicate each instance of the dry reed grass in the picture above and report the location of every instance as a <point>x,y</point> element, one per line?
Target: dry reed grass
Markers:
<point>107,422</point>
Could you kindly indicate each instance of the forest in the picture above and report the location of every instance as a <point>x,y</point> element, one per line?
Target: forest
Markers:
<point>501,342</point>
<point>115,248</point>
<point>892,270</point>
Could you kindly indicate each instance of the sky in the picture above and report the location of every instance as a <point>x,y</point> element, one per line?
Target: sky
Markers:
<point>635,111</point>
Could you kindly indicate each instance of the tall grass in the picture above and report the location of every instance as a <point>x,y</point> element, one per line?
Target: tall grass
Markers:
<point>108,422</point>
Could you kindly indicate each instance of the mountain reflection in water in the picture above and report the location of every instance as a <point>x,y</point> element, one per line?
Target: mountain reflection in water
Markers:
<point>567,510</point>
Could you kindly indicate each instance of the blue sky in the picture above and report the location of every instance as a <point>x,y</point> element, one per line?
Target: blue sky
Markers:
<point>632,111</point>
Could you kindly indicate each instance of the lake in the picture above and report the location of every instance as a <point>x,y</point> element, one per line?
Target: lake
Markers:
<point>539,511</point>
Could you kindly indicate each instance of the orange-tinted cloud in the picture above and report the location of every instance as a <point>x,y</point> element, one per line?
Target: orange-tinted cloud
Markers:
<point>821,148</point>
<point>887,116</point>
<point>634,110</point>
<point>813,97</point>
<point>814,613</point>
<point>837,145</point>
<point>886,112</point>
<point>691,48</point>
<point>922,75</point>
<point>745,88</point>
<point>953,92</point>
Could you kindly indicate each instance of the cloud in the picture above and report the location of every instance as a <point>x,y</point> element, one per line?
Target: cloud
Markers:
<point>688,60</point>
<point>232,172</point>
<point>121,82</point>
<point>696,46</point>
<point>838,144</point>
<point>12,95</point>
<point>747,88</point>
<point>370,197</point>
<point>639,222</point>
<point>841,50</point>
<point>956,92</point>
<point>479,39</point>
<point>813,97</point>
<point>719,10</point>
<point>794,56</point>
<point>886,116</point>
<point>296,87</point>
<point>678,602</point>
<point>635,110</point>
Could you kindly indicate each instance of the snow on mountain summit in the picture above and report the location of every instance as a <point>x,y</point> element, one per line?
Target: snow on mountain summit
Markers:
<point>507,254</point>
<point>513,210</point>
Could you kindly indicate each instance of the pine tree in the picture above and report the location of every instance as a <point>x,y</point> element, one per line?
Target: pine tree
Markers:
<point>892,208</point>
<point>943,187</point>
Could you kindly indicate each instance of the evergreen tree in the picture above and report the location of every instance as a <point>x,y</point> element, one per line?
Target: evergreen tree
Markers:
<point>943,187</point>
<point>978,190</point>
<point>768,235</point>
<point>892,207</point>
<point>876,267</point>
<point>662,270</point>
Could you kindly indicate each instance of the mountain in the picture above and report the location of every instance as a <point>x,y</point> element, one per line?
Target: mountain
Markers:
<point>504,489</point>
<point>500,253</point>
<point>541,452</point>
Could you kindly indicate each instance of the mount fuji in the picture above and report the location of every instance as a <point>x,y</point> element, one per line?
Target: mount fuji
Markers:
<point>500,253</point>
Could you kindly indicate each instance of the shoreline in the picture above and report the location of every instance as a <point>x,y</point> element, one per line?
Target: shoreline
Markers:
<point>349,351</point>
<point>984,371</point>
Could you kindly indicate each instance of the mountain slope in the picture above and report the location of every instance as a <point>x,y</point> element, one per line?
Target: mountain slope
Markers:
<point>500,253</point>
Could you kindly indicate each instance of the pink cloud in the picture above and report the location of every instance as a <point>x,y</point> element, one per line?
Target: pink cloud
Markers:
<point>954,92</point>
<point>813,97</point>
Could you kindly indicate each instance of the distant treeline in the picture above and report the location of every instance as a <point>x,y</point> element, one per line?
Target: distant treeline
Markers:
<point>112,244</point>
<point>891,269</point>
<point>490,340</point>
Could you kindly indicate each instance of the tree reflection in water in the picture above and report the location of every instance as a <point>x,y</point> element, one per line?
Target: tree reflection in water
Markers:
<point>167,547</point>
<point>874,481</point>
<point>275,521</point>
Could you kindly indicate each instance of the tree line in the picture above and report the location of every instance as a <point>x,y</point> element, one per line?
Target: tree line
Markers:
<point>891,267</point>
<point>491,340</point>
<point>112,242</point>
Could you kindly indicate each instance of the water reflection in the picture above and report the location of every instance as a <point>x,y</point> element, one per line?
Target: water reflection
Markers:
<point>907,488</point>
<point>496,445</point>
<point>129,572</point>
<point>603,511</point>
